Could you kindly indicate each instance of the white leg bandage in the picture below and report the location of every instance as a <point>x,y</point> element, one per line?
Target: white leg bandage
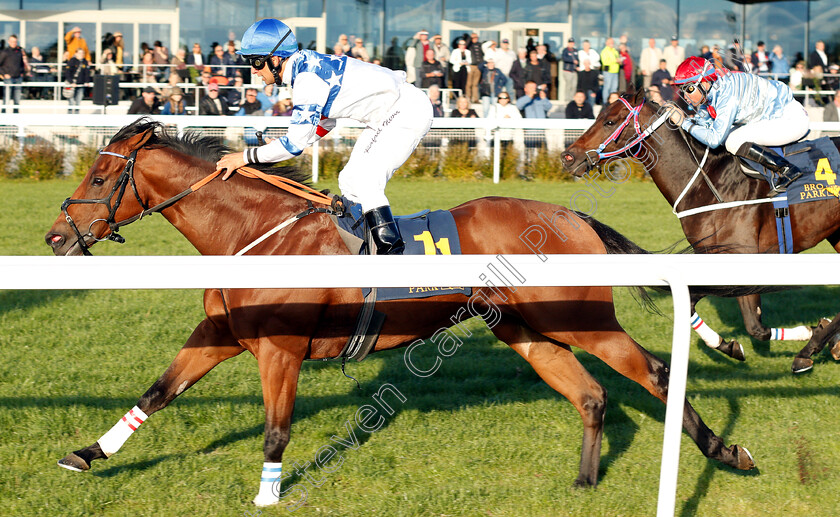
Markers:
<point>269,484</point>
<point>800,333</point>
<point>116,437</point>
<point>709,336</point>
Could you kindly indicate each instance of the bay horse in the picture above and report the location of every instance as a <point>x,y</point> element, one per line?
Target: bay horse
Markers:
<point>284,327</point>
<point>636,126</point>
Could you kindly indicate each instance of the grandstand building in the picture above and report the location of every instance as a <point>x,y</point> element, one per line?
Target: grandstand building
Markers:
<point>387,25</point>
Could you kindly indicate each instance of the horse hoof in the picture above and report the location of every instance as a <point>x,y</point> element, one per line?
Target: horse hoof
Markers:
<point>583,483</point>
<point>265,500</point>
<point>835,350</point>
<point>801,364</point>
<point>733,349</point>
<point>745,459</point>
<point>74,463</point>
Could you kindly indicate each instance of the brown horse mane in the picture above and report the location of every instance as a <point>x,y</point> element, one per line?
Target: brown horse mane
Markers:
<point>203,147</point>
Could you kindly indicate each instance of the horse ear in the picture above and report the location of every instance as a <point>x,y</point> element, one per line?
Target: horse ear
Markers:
<point>630,91</point>
<point>139,140</point>
<point>640,95</point>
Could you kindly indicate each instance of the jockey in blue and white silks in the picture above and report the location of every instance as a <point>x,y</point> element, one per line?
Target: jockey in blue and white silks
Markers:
<point>326,88</point>
<point>744,112</point>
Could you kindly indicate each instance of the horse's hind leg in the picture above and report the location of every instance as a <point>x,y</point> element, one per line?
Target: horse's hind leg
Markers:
<point>208,346</point>
<point>822,335</point>
<point>751,311</point>
<point>712,339</point>
<point>557,366</point>
<point>628,358</point>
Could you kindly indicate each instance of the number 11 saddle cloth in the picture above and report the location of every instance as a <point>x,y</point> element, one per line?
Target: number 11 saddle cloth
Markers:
<point>430,232</point>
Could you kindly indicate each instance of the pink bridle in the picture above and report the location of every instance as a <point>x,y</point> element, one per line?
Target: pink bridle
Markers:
<point>640,135</point>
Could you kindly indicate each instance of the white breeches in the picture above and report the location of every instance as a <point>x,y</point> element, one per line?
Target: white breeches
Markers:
<point>790,127</point>
<point>382,149</point>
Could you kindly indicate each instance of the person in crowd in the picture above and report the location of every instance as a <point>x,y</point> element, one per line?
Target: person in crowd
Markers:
<point>569,57</point>
<point>359,51</point>
<point>343,43</point>
<point>463,109</point>
<point>218,62</point>
<point>626,75</point>
<point>420,44</point>
<point>283,107</point>
<point>250,106</point>
<point>442,55</point>
<point>588,82</point>
<point>477,50</point>
<point>41,73</point>
<point>269,96</point>
<point>396,114</point>
<point>544,54</point>
<point>673,55</point>
<point>537,70</point>
<point>504,108</point>
<point>148,72</point>
<point>434,97</point>
<point>13,66</point>
<point>213,103</point>
<point>233,95</point>
<point>179,65</point>
<point>76,76</point>
<point>587,53</point>
<point>662,79</point>
<point>779,66</point>
<point>493,82</point>
<point>818,57</point>
<point>744,112</point>
<point>432,70</point>
<point>161,59</point>
<point>196,61</point>
<point>233,61</point>
<point>614,96</point>
<point>579,108</point>
<point>797,76</point>
<point>706,53</point>
<point>832,80</point>
<point>175,104</point>
<point>505,58</point>
<point>118,48</point>
<point>73,40</point>
<point>338,50</point>
<point>760,59</point>
<point>147,103</point>
<point>649,61</point>
<point>832,109</point>
<point>534,103</point>
<point>107,66</point>
<point>610,66</point>
<point>517,71</point>
<point>461,60</point>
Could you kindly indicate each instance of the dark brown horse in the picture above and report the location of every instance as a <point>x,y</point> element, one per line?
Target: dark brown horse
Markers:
<point>282,328</point>
<point>672,158</point>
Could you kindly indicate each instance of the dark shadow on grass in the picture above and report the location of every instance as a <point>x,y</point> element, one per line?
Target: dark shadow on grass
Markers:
<point>136,466</point>
<point>22,300</point>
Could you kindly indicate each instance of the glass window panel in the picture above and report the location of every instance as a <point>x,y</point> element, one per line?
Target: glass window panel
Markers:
<point>281,9</point>
<point>208,21</point>
<point>9,4</point>
<point>151,32</point>
<point>472,11</point>
<point>60,5</point>
<point>779,23</point>
<point>356,19</point>
<point>135,4</point>
<point>43,35</point>
<point>127,30</point>
<point>590,18</point>
<point>641,20</point>
<point>710,22</point>
<point>550,11</point>
<point>306,37</point>
<point>825,20</point>
<point>7,29</point>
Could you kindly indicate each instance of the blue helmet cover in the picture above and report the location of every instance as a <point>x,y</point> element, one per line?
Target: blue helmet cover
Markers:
<point>264,35</point>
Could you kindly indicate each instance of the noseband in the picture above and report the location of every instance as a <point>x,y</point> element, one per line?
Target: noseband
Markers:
<point>593,156</point>
<point>125,178</point>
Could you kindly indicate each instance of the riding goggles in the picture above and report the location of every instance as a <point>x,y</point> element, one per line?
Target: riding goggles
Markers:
<point>258,62</point>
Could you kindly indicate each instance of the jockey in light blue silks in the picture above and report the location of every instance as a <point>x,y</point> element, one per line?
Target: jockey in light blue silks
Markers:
<point>743,111</point>
<point>326,88</point>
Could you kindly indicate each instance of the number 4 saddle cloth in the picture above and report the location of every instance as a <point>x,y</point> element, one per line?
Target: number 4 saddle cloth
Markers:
<point>818,160</point>
<point>430,232</point>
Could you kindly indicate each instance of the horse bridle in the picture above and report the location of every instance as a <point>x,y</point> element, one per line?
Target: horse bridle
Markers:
<point>593,156</point>
<point>125,178</point>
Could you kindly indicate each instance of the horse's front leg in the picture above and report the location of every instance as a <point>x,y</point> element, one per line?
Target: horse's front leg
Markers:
<point>279,370</point>
<point>208,346</point>
<point>712,339</point>
<point>824,333</point>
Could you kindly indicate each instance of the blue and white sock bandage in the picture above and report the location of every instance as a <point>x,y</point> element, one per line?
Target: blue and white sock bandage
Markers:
<point>270,482</point>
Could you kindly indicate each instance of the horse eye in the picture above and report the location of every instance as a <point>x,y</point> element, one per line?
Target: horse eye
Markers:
<point>98,182</point>
<point>609,123</point>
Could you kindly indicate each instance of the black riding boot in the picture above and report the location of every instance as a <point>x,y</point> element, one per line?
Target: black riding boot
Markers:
<point>384,231</point>
<point>787,171</point>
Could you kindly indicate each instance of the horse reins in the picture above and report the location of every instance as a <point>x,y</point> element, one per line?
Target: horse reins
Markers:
<point>591,154</point>
<point>127,178</point>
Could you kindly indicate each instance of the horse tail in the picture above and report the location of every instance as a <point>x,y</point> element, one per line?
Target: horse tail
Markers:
<point>617,244</point>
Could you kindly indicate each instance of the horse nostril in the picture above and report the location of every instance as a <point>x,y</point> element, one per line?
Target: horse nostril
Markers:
<point>54,239</point>
<point>569,157</point>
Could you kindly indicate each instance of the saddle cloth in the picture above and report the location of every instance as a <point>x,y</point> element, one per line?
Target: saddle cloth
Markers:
<point>818,160</point>
<point>424,233</point>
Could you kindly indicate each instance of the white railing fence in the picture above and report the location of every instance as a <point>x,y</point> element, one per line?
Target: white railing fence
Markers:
<point>675,271</point>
